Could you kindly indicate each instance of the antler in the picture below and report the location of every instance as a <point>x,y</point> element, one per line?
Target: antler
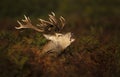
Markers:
<point>53,22</point>
<point>27,24</point>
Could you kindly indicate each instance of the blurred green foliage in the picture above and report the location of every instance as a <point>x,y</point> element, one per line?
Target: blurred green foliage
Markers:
<point>89,53</point>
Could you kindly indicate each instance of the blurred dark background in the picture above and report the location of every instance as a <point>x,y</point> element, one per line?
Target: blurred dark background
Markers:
<point>104,13</point>
<point>95,24</point>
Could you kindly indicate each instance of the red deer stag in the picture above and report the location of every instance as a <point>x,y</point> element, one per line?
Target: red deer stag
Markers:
<point>58,41</point>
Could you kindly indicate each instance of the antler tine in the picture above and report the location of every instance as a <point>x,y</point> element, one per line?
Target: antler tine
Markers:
<point>27,24</point>
<point>44,22</point>
<point>62,21</point>
<point>55,22</point>
<point>21,26</point>
<point>27,19</point>
<point>53,13</point>
<point>52,18</point>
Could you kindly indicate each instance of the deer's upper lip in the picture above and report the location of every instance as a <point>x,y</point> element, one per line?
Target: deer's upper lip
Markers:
<point>72,37</point>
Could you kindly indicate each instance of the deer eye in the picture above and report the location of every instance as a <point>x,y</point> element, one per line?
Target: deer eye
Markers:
<point>59,35</point>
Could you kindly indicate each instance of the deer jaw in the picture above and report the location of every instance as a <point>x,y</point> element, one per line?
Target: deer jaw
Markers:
<point>58,42</point>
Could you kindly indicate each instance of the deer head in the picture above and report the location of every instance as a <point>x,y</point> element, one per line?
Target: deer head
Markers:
<point>58,41</point>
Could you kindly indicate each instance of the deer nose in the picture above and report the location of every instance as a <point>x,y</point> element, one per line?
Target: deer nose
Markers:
<point>72,37</point>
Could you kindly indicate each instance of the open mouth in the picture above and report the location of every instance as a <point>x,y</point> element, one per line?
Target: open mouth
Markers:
<point>72,37</point>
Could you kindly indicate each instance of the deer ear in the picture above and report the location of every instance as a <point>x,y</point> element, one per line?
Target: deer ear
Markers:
<point>47,36</point>
<point>58,34</point>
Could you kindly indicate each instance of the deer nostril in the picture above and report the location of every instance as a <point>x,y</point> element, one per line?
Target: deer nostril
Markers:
<point>72,34</point>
